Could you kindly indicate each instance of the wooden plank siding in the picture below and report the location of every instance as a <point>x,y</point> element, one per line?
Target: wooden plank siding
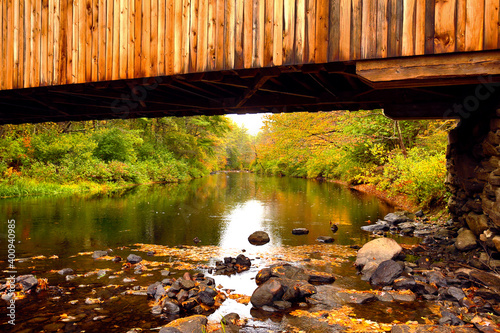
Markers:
<point>58,42</point>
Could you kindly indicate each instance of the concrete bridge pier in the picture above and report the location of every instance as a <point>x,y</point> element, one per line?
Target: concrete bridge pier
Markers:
<point>473,163</point>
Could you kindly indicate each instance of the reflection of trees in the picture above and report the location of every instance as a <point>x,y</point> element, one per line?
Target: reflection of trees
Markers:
<point>173,214</point>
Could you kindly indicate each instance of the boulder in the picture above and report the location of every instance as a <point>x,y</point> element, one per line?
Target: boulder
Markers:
<point>325,239</point>
<point>466,241</point>
<point>259,238</point>
<point>379,226</point>
<point>290,272</point>
<point>27,282</point>
<point>98,254</point>
<point>134,259</point>
<point>270,291</point>
<point>496,242</point>
<point>377,251</point>
<point>477,223</point>
<point>192,324</point>
<point>395,218</point>
<point>300,231</point>
<point>386,273</point>
<point>65,271</point>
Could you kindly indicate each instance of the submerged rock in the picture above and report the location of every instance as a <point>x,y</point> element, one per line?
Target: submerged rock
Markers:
<point>259,238</point>
<point>192,324</point>
<point>98,254</point>
<point>134,259</point>
<point>325,239</point>
<point>300,231</point>
<point>27,282</point>
<point>65,271</point>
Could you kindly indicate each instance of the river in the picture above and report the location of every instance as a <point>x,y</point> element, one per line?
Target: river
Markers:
<point>222,210</point>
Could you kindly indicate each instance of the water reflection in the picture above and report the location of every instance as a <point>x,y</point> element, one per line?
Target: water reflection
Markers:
<point>221,209</point>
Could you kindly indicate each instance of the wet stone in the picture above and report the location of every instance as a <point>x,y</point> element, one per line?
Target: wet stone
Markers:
<point>165,273</point>
<point>259,238</point>
<point>300,231</point>
<point>325,239</point>
<point>186,284</point>
<point>65,271</point>
<point>98,254</point>
<point>134,259</point>
<point>170,308</point>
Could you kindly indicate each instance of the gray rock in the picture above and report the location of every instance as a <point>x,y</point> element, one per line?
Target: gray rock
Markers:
<point>325,239</point>
<point>170,308</point>
<point>454,293</point>
<point>259,238</point>
<point>395,218</point>
<point>192,324</point>
<point>300,231</point>
<point>186,284</point>
<point>377,251</point>
<point>265,294</point>
<point>419,213</point>
<point>386,273</point>
<point>134,259</point>
<point>282,305</point>
<point>466,241</point>
<point>65,271</point>
<point>379,226</point>
<point>477,223</point>
<point>449,318</point>
<point>360,298</point>
<point>98,254</point>
<point>409,297</point>
<point>27,282</point>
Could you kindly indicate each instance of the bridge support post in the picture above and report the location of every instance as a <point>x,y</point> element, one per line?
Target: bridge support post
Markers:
<point>473,163</point>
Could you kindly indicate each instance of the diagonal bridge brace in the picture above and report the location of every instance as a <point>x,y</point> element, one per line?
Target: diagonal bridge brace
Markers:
<point>260,79</point>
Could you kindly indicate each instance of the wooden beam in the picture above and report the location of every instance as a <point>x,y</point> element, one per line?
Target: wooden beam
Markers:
<point>259,82</point>
<point>430,67</point>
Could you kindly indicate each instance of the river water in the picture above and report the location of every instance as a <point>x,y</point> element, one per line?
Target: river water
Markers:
<point>222,210</point>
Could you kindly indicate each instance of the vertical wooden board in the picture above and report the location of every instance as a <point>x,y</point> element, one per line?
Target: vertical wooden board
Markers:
<point>300,31</point>
<point>202,35</point>
<point>408,28</point>
<point>322,22</point>
<point>22,40</point>
<point>88,41</point>
<point>429,26</point>
<point>238,38</point>
<point>288,32</point>
<point>123,39</point>
<point>278,33</point>
<point>95,40</point>
<point>109,38</point>
<point>186,33</point>
<point>26,16</point>
<point>258,33</point>
<point>44,54</point>
<point>131,40</point>
<point>356,28</point>
<point>162,12</point>
<point>7,54</point>
<point>345,30</point>
<point>169,38</point>
<point>82,41</point>
<point>474,26</point>
<point>219,35</point>
<point>461,23</point>
<point>334,31</point>
<point>36,28</point>
<point>382,28</point>
<point>56,36</point>
<point>177,36</point>
<point>15,44</point>
<point>115,41</point>
<point>491,23</point>
<point>70,32</point>
<point>137,38</point>
<point>420,28</point>
<point>247,33</point>
<point>310,32</point>
<point>230,24</point>
<point>268,32</point>
<point>193,37</point>
<point>101,44</point>
<point>444,25</point>
<point>2,48</point>
<point>369,29</point>
<point>395,14</point>
<point>153,51</point>
<point>146,38</point>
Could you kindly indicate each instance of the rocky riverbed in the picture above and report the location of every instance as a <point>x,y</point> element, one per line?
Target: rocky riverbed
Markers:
<point>447,283</point>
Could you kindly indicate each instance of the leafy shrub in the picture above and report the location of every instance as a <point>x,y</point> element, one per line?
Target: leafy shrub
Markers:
<point>116,144</point>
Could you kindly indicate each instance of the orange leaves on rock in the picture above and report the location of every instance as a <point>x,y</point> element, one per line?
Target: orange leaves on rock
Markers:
<point>242,299</point>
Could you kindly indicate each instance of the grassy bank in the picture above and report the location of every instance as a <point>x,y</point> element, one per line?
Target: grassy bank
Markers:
<point>405,159</point>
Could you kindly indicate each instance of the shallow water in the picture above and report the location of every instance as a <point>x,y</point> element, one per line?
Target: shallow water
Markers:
<point>221,210</point>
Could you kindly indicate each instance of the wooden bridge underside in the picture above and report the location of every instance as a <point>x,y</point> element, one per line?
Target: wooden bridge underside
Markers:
<point>64,60</point>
